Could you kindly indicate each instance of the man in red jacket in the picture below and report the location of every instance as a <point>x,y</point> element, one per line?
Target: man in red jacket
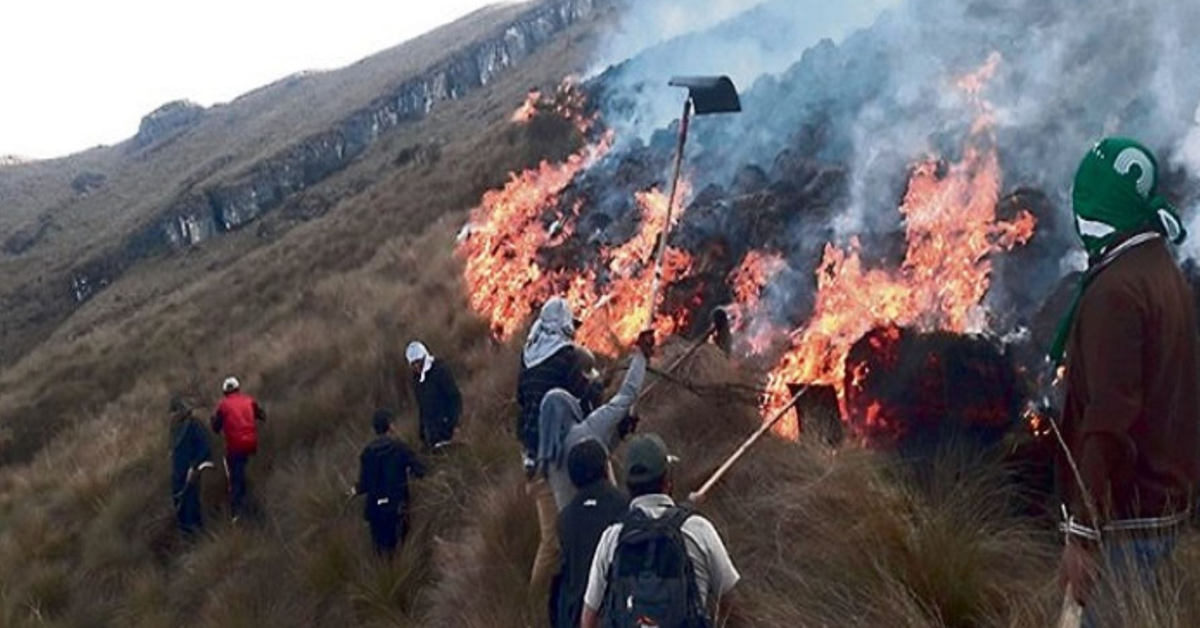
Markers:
<point>237,417</point>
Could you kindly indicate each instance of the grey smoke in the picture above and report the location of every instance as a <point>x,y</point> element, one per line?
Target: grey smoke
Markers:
<point>744,39</point>
<point>876,83</point>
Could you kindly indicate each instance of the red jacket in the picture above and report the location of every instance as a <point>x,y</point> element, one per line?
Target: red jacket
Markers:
<point>236,416</point>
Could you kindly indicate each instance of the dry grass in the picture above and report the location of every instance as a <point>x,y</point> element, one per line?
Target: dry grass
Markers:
<point>851,538</point>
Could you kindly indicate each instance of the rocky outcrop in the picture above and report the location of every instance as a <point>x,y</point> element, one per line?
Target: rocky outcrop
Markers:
<point>87,182</point>
<point>166,121</point>
<point>199,214</point>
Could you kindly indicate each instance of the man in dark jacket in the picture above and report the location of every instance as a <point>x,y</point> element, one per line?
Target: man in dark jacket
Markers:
<point>237,416</point>
<point>190,455</point>
<point>550,360</point>
<point>597,505</point>
<point>438,399</point>
<point>384,467</point>
<point>1132,415</point>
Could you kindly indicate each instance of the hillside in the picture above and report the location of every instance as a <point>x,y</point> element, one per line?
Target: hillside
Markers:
<point>302,234</point>
<point>73,226</point>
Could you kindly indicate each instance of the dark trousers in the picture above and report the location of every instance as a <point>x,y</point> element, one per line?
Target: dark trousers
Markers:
<point>187,509</point>
<point>235,468</point>
<point>388,528</point>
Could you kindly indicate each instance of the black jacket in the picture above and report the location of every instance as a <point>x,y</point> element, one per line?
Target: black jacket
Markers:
<point>439,403</point>
<point>563,370</point>
<point>384,467</point>
<point>580,526</point>
<point>189,448</point>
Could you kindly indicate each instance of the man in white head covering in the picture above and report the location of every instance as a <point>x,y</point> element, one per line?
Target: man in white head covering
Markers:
<point>550,360</point>
<point>438,399</point>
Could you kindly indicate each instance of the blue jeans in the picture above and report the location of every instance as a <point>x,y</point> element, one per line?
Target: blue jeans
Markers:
<point>1132,562</point>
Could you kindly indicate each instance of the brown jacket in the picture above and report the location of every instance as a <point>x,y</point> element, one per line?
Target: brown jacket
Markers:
<point>1132,414</point>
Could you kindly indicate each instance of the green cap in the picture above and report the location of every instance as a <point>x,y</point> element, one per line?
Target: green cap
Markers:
<point>646,460</point>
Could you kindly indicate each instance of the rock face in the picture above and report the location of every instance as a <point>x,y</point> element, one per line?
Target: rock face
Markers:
<point>197,215</point>
<point>166,121</point>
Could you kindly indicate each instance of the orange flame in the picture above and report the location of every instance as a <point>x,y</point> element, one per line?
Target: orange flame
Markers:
<point>506,281</point>
<point>753,330</point>
<point>617,313</point>
<point>529,108</point>
<point>501,243</point>
<point>568,102</point>
<point>951,230</point>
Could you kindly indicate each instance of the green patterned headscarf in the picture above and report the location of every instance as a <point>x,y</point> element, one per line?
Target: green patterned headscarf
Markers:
<point>1115,196</point>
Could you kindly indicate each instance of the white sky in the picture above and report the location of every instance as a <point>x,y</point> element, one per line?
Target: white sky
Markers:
<point>76,73</point>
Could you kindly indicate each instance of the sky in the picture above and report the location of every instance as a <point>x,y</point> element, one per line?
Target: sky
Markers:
<point>77,73</point>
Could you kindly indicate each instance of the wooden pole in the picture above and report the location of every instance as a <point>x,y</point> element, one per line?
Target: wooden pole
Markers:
<point>699,495</point>
<point>662,243</point>
<point>699,342</point>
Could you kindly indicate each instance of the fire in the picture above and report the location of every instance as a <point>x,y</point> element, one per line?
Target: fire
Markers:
<point>529,108</point>
<point>501,243</point>
<point>568,102</point>
<point>616,313</point>
<point>506,280</point>
<point>1037,422</point>
<point>754,330</point>
<point>951,230</point>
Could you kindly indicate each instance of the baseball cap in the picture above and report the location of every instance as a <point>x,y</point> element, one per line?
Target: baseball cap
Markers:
<point>646,459</point>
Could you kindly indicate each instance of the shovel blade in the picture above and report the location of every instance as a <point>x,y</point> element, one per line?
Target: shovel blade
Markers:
<point>710,94</point>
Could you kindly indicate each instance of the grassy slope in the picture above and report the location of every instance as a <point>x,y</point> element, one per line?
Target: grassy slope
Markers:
<point>314,320</point>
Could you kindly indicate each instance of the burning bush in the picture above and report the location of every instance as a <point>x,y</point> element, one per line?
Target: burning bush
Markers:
<point>912,390</point>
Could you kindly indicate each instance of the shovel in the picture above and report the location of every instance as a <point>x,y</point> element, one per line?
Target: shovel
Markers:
<point>706,95</point>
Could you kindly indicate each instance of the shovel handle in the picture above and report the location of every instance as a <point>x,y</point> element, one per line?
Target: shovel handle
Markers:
<point>698,495</point>
<point>662,242</point>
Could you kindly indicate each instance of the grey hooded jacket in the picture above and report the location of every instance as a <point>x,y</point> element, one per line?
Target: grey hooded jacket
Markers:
<point>563,427</point>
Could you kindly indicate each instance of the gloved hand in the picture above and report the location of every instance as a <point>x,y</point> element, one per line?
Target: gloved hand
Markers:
<point>628,425</point>
<point>645,343</point>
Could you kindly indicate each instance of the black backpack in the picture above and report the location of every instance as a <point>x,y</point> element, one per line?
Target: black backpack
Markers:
<point>651,582</point>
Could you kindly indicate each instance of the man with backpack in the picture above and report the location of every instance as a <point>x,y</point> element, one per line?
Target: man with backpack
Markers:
<point>384,467</point>
<point>190,456</point>
<point>438,400</point>
<point>662,565</point>
<point>597,505</point>
<point>562,426</point>
<point>237,417</point>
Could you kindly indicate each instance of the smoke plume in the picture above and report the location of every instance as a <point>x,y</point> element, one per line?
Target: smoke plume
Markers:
<point>869,90</point>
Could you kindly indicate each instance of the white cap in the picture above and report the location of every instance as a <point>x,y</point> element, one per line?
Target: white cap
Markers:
<point>231,384</point>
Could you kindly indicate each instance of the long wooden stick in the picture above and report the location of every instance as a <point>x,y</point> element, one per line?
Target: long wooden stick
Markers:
<point>662,243</point>
<point>698,495</point>
<point>677,362</point>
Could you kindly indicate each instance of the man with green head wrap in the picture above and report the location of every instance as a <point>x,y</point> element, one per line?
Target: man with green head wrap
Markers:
<point>1131,420</point>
